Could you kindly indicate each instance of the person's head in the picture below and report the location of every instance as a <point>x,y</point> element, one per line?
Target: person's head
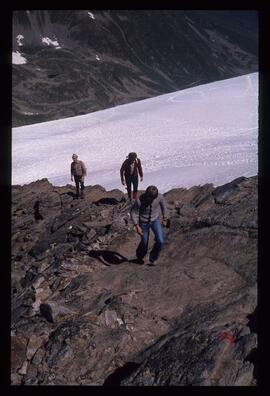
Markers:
<point>74,157</point>
<point>132,157</point>
<point>151,192</point>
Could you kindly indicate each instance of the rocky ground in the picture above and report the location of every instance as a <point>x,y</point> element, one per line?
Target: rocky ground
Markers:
<point>85,313</point>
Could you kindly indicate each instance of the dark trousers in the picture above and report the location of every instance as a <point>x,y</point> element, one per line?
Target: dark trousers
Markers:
<point>156,227</point>
<point>79,183</point>
<point>131,179</point>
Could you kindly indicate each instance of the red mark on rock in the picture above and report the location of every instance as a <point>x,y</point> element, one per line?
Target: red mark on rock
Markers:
<point>225,335</point>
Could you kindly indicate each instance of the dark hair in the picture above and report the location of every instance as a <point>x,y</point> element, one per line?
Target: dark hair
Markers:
<point>151,192</point>
<point>132,156</point>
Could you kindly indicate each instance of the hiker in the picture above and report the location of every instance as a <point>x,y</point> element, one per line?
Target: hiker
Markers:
<point>145,216</point>
<point>129,174</point>
<point>78,171</point>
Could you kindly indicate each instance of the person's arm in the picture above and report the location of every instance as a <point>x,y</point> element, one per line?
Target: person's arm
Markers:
<point>83,168</point>
<point>122,173</point>
<point>134,214</point>
<point>163,209</point>
<point>71,172</point>
<point>83,171</point>
<point>140,169</point>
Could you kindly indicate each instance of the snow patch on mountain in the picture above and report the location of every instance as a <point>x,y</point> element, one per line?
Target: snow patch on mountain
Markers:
<point>18,59</point>
<point>48,41</point>
<point>20,37</point>
<point>91,15</point>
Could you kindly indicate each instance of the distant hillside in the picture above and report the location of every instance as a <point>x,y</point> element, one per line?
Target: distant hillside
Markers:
<point>83,61</point>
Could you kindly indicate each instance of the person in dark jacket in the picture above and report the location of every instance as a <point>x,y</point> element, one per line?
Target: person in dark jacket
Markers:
<point>129,171</point>
<point>145,213</point>
<point>78,171</point>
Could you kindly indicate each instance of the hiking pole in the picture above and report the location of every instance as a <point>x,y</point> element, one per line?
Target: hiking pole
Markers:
<point>147,242</point>
<point>149,222</point>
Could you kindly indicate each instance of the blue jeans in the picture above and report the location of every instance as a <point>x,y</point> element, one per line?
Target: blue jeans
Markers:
<point>156,227</point>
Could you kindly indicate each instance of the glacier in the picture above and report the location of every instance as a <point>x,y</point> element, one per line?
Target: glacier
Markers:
<point>204,134</point>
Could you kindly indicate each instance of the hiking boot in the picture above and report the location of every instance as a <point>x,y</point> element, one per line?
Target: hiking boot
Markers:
<point>138,261</point>
<point>135,195</point>
<point>152,263</point>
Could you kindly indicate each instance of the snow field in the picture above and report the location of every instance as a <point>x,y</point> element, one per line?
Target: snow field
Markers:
<point>203,134</point>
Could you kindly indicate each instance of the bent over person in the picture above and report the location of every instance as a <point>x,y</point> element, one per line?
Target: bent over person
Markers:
<point>145,215</point>
<point>78,171</point>
<point>129,171</point>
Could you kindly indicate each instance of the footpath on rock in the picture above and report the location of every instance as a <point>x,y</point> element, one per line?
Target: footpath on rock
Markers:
<point>85,313</point>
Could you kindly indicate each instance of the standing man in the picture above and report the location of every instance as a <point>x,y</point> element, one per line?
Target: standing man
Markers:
<point>145,216</point>
<point>129,174</point>
<point>78,171</point>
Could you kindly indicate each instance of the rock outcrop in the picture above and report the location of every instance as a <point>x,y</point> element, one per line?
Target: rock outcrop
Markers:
<point>85,313</point>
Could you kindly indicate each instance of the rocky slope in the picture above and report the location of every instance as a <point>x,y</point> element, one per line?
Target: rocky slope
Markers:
<point>79,61</point>
<point>85,313</point>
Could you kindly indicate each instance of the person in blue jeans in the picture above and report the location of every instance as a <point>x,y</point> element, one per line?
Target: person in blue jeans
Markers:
<point>145,213</point>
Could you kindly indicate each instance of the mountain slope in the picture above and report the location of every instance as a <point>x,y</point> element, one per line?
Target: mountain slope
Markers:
<point>82,61</point>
